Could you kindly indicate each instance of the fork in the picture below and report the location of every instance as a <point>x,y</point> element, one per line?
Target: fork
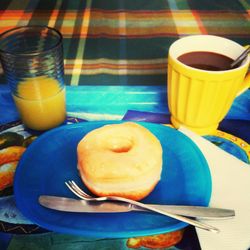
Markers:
<point>81,194</point>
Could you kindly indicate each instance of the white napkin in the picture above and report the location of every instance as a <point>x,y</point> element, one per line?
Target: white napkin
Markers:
<point>230,189</point>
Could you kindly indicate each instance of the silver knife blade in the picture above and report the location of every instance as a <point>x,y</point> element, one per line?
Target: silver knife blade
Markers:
<point>75,205</point>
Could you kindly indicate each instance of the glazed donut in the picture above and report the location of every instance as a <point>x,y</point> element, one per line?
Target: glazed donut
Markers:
<point>121,160</point>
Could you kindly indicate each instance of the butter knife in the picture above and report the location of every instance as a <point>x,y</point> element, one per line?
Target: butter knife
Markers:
<point>75,205</point>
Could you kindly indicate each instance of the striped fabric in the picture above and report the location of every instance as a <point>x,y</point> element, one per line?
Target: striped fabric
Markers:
<point>117,42</point>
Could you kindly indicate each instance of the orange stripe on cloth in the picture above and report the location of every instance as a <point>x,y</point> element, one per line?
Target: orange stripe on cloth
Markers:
<point>199,22</point>
<point>10,18</point>
<point>115,66</point>
<point>78,72</point>
<point>54,15</point>
<point>131,31</point>
<point>11,12</point>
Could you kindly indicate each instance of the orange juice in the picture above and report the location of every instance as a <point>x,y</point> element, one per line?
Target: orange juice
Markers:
<point>40,102</point>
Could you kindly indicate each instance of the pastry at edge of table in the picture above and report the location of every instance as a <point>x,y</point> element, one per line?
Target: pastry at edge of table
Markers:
<point>121,160</point>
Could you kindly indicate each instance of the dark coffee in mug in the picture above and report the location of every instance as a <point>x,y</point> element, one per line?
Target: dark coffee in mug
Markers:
<point>206,60</point>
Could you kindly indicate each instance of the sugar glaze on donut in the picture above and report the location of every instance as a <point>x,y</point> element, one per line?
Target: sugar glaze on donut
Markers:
<point>120,159</point>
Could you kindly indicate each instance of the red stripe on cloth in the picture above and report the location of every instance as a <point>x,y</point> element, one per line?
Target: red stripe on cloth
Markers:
<point>199,22</point>
<point>11,12</point>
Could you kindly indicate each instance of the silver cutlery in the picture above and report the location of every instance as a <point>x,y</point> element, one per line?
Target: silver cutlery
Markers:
<point>81,194</point>
<point>75,205</point>
<point>240,59</point>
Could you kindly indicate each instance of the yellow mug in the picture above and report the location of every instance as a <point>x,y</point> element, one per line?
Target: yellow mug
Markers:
<point>199,99</point>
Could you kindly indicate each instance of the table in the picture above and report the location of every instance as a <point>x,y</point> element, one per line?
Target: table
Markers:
<point>115,65</point>
<point>224,140</point>
<point>126,43</point>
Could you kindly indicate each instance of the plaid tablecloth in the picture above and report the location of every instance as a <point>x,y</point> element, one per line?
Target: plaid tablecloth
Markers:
<point>125,43</point>
<point>118,42</point>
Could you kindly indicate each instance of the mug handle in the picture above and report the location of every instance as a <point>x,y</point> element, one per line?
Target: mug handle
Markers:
<point>246,82</point>
<point>245,85</point>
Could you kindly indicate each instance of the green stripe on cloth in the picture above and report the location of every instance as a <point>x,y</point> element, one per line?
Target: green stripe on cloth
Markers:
<point>151,48</point>
<point>245,4</point>
<point>130,5</point>
<point>178,5</point>
<point>216,5</point>
<point>107,79</point>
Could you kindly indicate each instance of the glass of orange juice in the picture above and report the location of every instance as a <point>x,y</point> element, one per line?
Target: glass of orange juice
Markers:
<point>32,61</point>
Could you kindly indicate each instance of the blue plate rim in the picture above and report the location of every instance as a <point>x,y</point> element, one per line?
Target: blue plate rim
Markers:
<point>109,234</point>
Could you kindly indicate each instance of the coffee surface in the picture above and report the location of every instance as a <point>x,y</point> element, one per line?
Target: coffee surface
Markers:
<point>206,60</point>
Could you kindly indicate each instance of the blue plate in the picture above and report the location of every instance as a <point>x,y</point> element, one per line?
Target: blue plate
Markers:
<point>51,160</point>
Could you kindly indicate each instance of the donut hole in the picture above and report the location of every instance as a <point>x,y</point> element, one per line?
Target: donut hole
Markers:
<point>119,144</point>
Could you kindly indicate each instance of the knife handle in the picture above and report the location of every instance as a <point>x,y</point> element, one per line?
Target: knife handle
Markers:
<point>193,211</point>
<point>187,220</point>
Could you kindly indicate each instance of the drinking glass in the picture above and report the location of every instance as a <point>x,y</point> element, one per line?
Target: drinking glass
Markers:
<point>32,61</point>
